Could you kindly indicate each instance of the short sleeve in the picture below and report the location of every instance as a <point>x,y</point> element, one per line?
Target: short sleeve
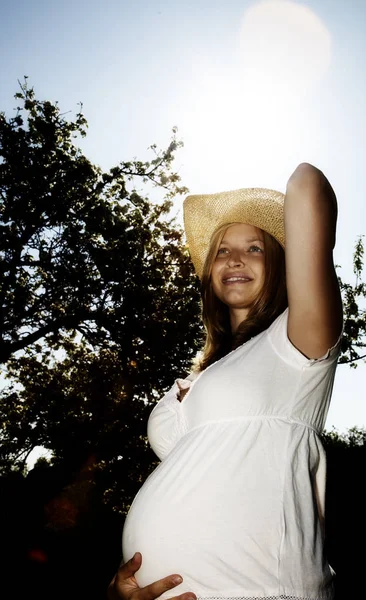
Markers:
<point>278,337</point>
<point>166,423</point>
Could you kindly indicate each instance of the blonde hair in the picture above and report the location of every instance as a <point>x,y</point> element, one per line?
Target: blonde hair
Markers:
<point>270,302</point>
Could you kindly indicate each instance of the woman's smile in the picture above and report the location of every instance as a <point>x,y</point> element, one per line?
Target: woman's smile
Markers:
<point>232,279</point>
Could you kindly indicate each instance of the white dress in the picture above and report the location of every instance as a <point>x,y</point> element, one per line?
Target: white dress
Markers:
<point>237,504</point>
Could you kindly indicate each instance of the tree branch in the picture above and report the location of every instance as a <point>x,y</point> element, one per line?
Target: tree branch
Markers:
<point>7,349</point>
<point>345,362</point>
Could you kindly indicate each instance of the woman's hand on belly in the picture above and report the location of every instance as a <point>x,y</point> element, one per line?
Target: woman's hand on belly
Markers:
<point>124,585</point>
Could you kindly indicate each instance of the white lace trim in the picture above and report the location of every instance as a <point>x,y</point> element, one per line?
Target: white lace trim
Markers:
<point>257,598</point>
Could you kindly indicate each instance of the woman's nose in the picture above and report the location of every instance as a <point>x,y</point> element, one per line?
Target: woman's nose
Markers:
<point>235,259</point>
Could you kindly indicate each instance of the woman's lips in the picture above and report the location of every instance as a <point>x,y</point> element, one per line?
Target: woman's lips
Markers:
<point>236,279</point>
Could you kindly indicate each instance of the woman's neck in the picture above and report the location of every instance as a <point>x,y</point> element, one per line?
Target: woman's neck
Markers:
<point>237,316</point>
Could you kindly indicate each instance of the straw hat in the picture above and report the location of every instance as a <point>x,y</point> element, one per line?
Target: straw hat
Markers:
<point>204,214</point>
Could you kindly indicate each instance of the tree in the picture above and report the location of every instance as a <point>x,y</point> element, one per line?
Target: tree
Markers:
<point>345,501</point>
<point>354,338</point>
<point>89,415</point>
<point>91,269</point>
<point>79,252</point>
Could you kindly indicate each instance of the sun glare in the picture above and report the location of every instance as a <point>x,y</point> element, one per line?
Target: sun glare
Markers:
<point>245,125</point>
<point>285,48</point>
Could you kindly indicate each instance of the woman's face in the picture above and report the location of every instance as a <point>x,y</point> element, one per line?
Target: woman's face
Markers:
<point>238,270</point>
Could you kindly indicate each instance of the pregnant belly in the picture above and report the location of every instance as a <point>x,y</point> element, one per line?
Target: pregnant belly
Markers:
<point>197,515</point>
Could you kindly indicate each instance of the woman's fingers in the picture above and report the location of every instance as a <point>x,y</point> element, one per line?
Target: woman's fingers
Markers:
<point>128,569</point>
<point>125,587</point>
<point>124,583</point>
<point>156,589</point>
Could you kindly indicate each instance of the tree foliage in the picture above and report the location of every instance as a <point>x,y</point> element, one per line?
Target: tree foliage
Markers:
<point>79,252</point>
<point>99,300</point>
<point>354,338</point>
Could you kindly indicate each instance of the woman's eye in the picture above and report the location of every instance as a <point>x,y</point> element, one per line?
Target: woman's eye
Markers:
<point>255,249</point>
<point>222,251</point>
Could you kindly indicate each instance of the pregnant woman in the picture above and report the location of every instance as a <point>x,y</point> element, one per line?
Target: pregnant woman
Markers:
<point>236,506</point>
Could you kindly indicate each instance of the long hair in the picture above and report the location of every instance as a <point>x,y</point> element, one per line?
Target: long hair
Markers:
<point>270,302</point>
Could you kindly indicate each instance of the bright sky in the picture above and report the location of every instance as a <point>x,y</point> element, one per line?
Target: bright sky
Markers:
<point>254,87</point>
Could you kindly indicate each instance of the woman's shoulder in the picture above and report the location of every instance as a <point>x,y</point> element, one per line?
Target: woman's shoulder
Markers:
<point>280,341</point>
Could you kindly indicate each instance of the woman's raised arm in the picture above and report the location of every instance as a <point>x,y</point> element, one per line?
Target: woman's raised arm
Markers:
<point>315,305</point>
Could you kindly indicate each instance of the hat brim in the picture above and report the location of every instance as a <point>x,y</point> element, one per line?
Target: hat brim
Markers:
<point>204,214</point>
